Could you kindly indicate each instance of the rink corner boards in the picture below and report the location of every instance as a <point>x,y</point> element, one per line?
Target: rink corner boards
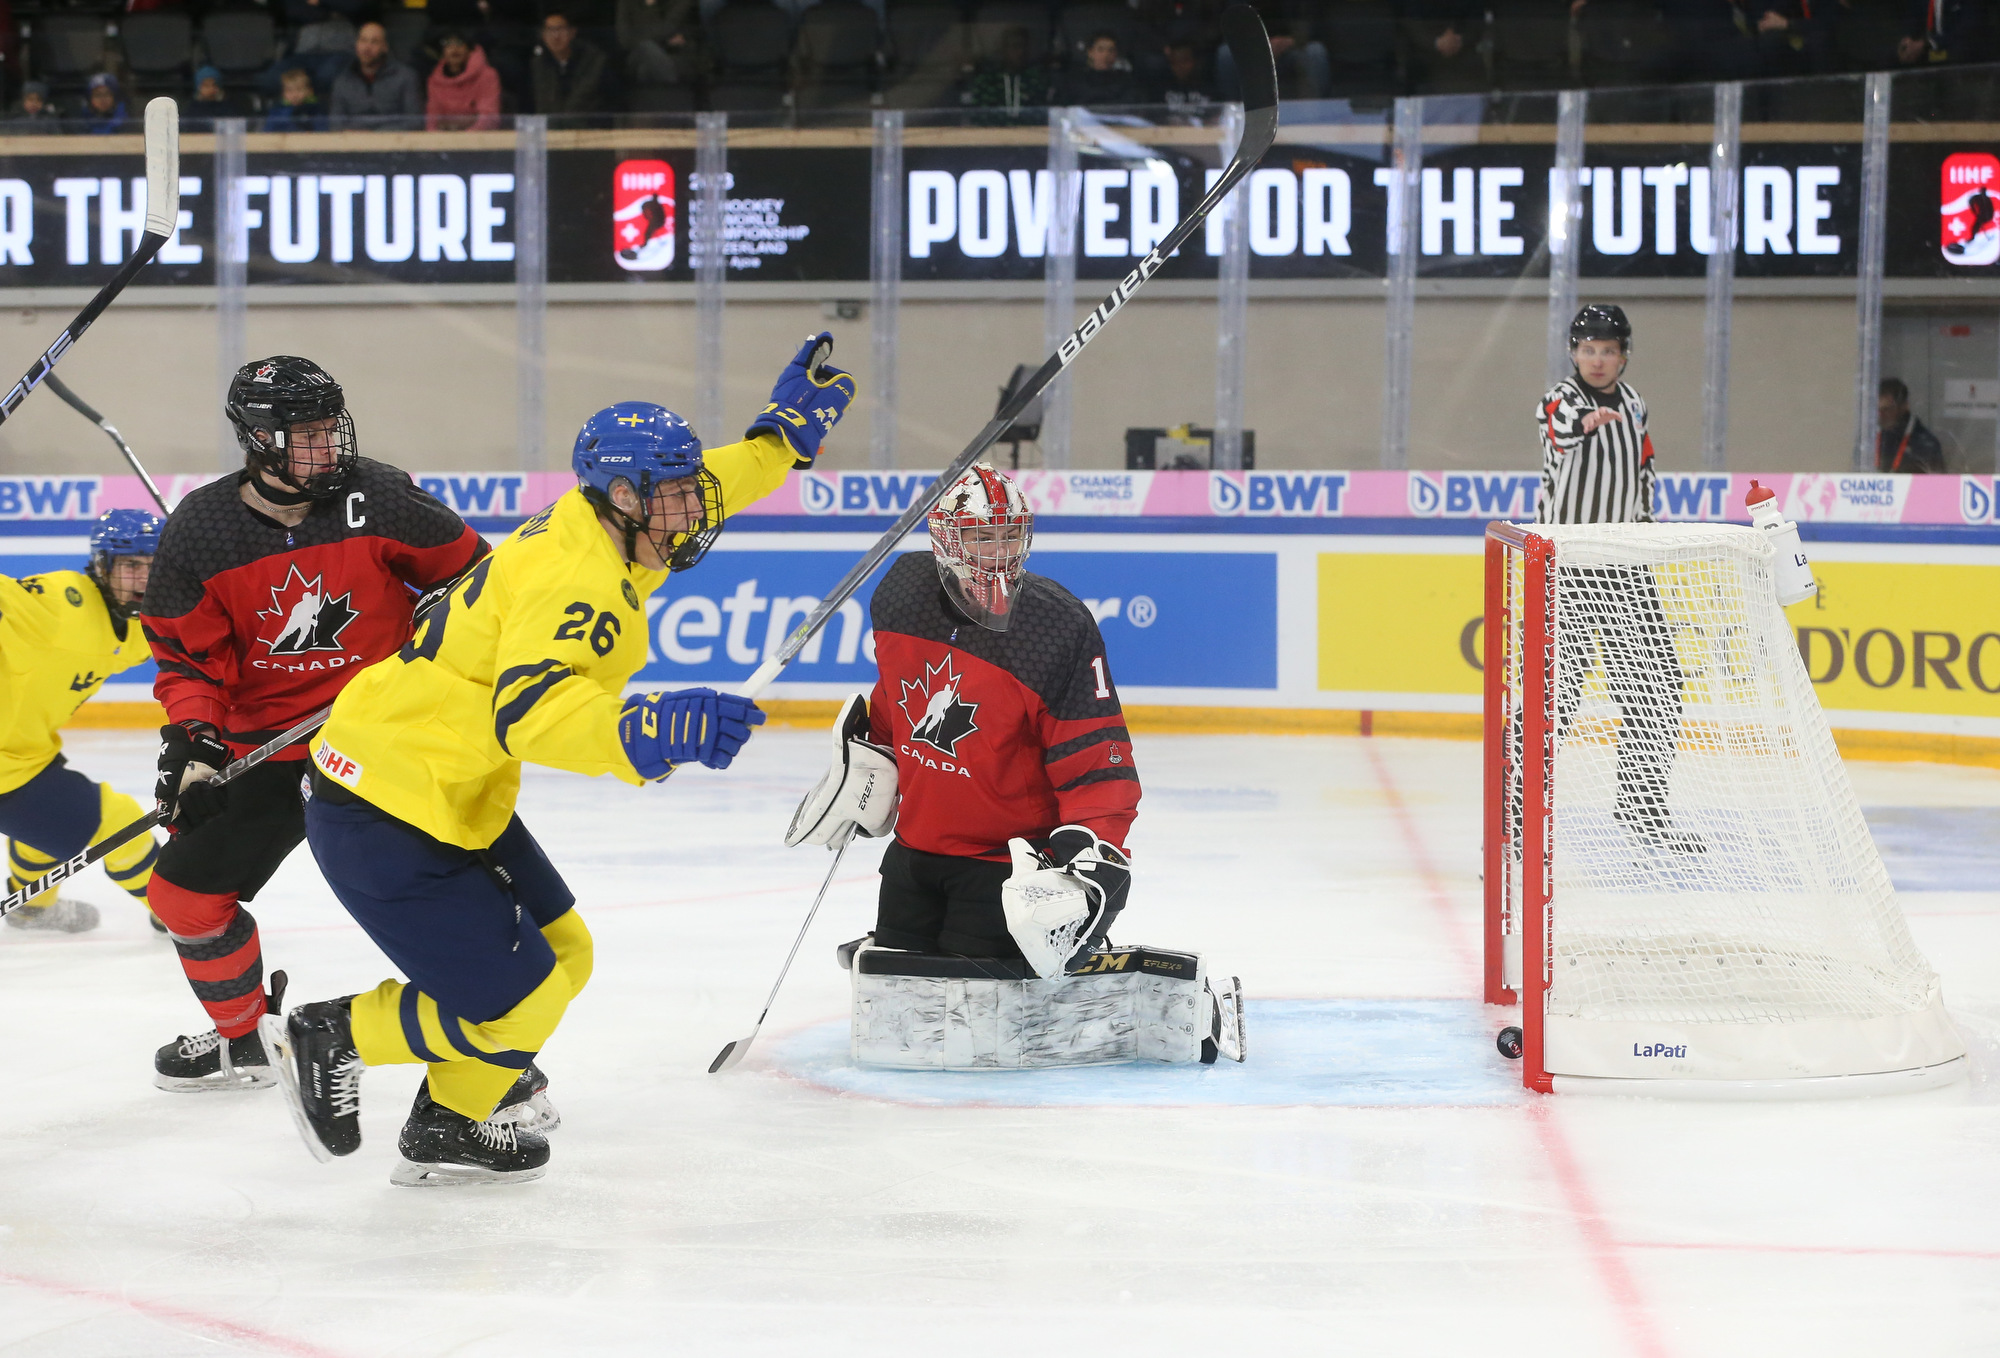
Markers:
<point>1929,747</point>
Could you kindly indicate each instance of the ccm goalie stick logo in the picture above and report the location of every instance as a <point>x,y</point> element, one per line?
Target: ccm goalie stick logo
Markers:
<point>309,620</point>
<point>938,717</point>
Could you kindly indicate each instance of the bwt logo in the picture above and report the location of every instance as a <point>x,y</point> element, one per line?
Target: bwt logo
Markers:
<point>1690,496</point>
<point>1466,495</point>
<point>1301,495</point>
<point>478,494</point>
<point>870,493</point>
<point>42,497</point>
<point>1294,494</point>
<point>1661,1049</point>
<point>1975,500</point>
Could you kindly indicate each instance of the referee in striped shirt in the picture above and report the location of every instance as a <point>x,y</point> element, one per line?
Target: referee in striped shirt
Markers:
<point>1597,467</point>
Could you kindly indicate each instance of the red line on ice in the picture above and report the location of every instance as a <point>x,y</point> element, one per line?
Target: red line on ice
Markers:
<point>180,1316</point>
<point>1449,919</point>
<point>1858,1251</point>
<point>1612,1272</point>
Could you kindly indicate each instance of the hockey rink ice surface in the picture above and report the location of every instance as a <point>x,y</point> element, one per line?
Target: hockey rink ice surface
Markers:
<point>1373,1181</point>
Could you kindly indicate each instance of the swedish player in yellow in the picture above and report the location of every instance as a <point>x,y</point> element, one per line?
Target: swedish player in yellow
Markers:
<point>416,772</point>
<point>62,634</point>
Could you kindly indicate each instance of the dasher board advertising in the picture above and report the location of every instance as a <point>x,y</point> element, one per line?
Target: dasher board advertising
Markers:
<point>983,212</point>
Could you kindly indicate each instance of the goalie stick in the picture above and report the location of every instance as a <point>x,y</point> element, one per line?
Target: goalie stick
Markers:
<point>62,872</point>
<point>1244,32</point>
<point>83,408</point>
<point>163,217</point>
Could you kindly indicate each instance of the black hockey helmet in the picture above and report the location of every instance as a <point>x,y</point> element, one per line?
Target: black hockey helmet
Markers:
<point>270,398</point>
<point>1601,321</point>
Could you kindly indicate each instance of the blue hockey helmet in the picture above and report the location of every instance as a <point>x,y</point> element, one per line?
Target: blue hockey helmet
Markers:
<point>121,532</point>
<point>647,446</point>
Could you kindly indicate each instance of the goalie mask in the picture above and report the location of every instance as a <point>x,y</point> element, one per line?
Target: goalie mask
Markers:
<point>291,419</point>
<point>980,531</point>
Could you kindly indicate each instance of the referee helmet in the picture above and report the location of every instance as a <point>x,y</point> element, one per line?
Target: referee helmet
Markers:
<point>1601,321</point>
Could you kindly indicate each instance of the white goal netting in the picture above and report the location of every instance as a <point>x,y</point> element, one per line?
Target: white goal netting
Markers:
<point>1716,907</point>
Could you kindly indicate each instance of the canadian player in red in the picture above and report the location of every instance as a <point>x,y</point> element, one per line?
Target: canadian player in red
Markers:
<point>996,722</point>
<point>271,589</point>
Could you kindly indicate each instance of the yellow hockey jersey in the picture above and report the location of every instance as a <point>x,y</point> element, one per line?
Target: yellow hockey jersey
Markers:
<point>526,660</point>
<point>58,644</point>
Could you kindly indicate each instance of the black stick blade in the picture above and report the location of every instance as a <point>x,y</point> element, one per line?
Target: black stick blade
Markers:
<point>1251,46</point>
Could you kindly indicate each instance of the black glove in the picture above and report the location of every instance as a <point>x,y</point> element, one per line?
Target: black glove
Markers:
<point>1102,866</point>
<point>183,744</point>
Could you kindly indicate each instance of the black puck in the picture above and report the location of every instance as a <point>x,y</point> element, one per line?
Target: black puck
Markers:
<point>1509,1043</point>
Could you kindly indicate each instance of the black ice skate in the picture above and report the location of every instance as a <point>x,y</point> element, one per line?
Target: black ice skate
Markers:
<point>197,1065</point>
<point>1653,828</point>
<point>443,1149</point>
<point>1225,1035</point>
<point>313,1051</point>
<point>526,1104</point>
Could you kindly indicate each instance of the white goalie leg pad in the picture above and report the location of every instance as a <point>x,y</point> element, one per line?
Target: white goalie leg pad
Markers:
<point>857,790</point>
<point>920,1011</point>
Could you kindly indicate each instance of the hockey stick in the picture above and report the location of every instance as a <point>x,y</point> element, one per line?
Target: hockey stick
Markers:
<point>62,872</point>
<point>1245,34</point>
<point>83,408</point>
<point>163,218</point>
<point>733,1052</point>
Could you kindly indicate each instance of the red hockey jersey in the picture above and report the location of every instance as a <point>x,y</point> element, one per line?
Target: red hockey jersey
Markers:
<point>997,734</point>
<point>256,626</point>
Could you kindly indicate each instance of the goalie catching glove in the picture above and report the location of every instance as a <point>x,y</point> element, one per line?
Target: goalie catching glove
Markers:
<point>857,795</point>
<point>1060,902</point>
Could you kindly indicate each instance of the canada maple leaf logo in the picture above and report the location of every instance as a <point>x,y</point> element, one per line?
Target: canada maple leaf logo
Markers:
<point>309,620</point>
<point>938,716</point>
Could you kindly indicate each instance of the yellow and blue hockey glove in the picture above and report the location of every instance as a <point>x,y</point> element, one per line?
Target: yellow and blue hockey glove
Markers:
<point>806,403</point>
<point>691,726</point>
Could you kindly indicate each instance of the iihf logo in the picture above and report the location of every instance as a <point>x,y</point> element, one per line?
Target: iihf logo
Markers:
<point>937,715</point>
<point>312,621</point>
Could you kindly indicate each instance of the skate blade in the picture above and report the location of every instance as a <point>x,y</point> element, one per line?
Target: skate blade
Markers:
<point>278,1045</point>
<point>409,1174</point>
<point>537,1115</point>
<point>215,1084</point>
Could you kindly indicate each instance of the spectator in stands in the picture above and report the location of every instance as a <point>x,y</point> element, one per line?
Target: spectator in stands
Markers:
<point>1442,37</point>
<point>34,114</point>
<point>377,91</point>
<point>659,40</point>
<point>1014,83</point>
<point>464,91</point>
<point>298,107</point>
<point>1187,85</point>
<point>212,100</point>
<point>1940,31</point>
<point>105,112</point>
<point>323,37</point>
<point>1104,79</point>
<point>568,74</point>
<point>1902,444</point>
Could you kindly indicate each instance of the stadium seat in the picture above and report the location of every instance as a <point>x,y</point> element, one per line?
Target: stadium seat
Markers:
<point>239,43</point>
<point>991,21</point>
<point>751,42</point>
<point>837,54</point>
<point>68,48</point>
<point>1623,42</point>
<point>926,52</point>
<point>1362,49</point>
<point>1531,44</point>
<point>159,45</point>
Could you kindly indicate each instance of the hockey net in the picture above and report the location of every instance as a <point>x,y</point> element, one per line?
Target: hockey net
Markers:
<point>1680,886</point>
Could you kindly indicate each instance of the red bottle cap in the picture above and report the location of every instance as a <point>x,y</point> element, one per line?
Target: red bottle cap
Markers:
<point>1758,495</point>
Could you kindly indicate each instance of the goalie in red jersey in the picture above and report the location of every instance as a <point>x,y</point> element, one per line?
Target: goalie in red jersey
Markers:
<point>995,743</point>
<point>272,588</point>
